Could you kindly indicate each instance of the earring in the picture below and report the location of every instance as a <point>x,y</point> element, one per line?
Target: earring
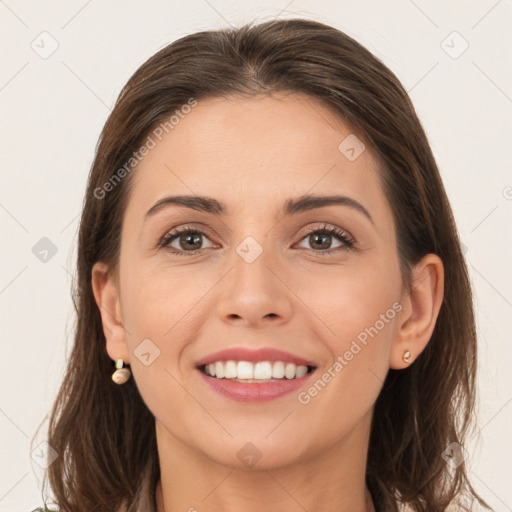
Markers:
<point>407,356</point>
<point>121,375</point>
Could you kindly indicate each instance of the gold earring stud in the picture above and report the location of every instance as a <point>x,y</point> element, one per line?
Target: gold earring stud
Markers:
<point>407,357</point>
<point>122,374</point>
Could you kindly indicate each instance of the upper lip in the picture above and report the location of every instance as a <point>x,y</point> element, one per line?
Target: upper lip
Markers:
<point>253,355</point>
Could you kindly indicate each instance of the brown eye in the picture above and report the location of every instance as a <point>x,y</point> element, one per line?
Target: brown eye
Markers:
<point>183,242</point>
<point>189,241</point>
<point>320,240</point>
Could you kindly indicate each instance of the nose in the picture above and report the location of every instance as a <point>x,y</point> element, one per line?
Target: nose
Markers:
<point>255,293</point>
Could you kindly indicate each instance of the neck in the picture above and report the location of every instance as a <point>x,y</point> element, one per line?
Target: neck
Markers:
<point>331,481</point>
<point>367,506</point>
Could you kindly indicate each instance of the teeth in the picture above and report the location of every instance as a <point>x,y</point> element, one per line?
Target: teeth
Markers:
<point>230,371</point>
<point>260,371</point>
<point>219,370</point>
<point>244,370</point>
<point>278,370</point>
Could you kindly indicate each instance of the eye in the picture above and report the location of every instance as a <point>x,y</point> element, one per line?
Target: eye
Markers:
<point>187,239</point>
<point>320,239</point>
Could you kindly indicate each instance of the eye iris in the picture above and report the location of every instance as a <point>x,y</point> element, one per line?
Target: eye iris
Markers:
<point>321,238</point>
<point>193,239</point>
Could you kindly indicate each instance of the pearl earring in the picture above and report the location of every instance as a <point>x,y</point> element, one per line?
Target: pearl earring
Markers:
<point>121,375</point>
<point>407,357</point>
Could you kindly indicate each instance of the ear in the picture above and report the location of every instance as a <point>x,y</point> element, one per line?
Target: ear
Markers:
<point>106,294</point>
<point>420,310</point>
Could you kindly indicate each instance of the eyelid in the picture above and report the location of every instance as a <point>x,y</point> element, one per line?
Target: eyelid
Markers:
<point>346,239</point>
<point>331,229</point>
<point>169,233</point>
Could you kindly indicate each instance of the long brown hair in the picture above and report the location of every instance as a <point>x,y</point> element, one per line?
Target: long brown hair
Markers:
<point>104,433</point>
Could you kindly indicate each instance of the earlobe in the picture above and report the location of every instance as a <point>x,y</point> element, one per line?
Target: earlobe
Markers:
<point>106,294</point>
<point>419,315</point>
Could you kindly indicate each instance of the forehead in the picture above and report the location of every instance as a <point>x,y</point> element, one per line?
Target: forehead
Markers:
<point>257,151</point>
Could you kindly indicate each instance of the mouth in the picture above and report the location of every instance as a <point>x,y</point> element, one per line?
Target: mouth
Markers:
<point>254,375</point>
<point>260,372</point>
<point>262,381</point>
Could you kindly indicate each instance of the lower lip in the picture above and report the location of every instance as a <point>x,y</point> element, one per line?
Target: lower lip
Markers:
<point>253,392</point>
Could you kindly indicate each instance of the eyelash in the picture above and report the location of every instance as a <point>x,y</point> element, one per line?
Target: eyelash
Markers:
<point>343,236</point>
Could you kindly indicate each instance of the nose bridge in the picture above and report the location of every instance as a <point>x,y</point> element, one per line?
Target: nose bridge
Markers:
<point>252,292</point>
<point>252,260</point>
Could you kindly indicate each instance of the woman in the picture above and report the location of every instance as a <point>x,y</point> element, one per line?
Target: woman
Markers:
<point>270,272</point>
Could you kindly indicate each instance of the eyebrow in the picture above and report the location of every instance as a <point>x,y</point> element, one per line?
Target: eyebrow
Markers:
<point>291,206</point>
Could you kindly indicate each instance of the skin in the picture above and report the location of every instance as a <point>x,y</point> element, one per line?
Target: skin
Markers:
<point>254,154</point>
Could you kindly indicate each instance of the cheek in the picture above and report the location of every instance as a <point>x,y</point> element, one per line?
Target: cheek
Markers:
<point>359,312</point>
<point>159,302</point>
<point>163,309</point>
<point>159,308</point>
<point>353,304</point>
<point>346,388</point>
<point>366,319</point>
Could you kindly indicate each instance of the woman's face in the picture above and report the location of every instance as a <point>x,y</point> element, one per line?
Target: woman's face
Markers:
<point>260,274</point>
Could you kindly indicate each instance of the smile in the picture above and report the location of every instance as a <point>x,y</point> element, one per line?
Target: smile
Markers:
<point>255,372</point>
<point>261,381</point>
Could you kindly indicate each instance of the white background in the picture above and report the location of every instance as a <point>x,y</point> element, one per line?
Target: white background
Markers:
<point>52,111</point>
